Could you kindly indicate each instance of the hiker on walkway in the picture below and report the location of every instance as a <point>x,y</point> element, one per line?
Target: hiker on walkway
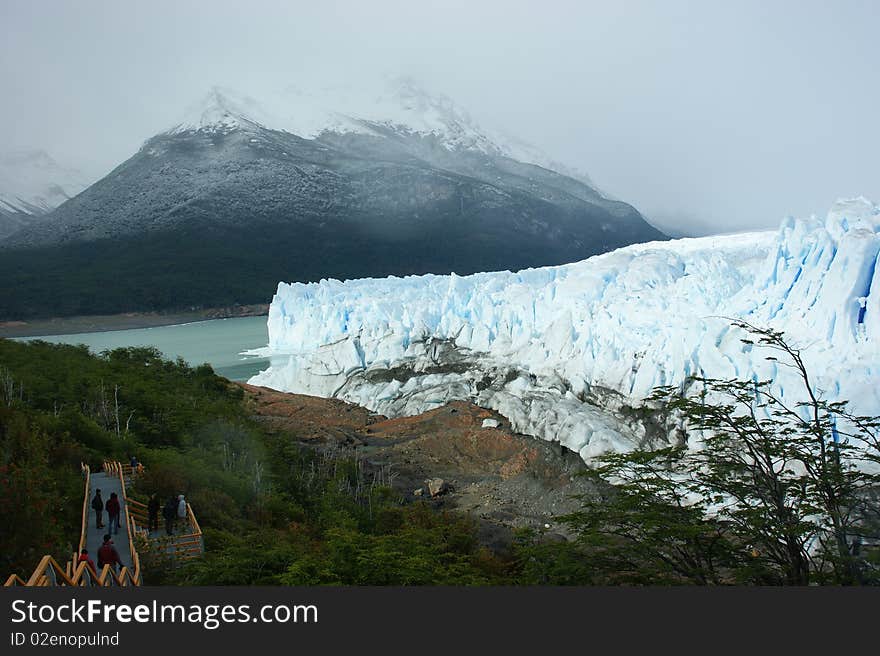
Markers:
<point>98,506</point>
<point>181,510</point>
<point>84,558</point>
<point>169,512</point>
<point>137,468</point>
<point>153,512</point>
<point>107,555</point>
<point>113,509</point>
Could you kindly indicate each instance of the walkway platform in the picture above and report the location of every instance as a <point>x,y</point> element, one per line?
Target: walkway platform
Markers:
<point>95,536</point>
<point>186,543</point>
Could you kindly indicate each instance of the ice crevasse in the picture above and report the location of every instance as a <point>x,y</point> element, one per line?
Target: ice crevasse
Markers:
<point>561,351</point>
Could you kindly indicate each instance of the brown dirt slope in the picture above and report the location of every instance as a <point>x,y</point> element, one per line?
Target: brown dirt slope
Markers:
<point>502,479</point>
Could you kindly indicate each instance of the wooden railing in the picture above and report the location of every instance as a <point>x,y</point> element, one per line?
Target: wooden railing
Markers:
<point>50,573</point>
<point>128,473</point>
<point>78,573</point>
<point>75,572</point>
<point>191,545</point>
<point>84,468</point>
<point>133,554</point>
<point>180,546</point>
<point>140,517</point>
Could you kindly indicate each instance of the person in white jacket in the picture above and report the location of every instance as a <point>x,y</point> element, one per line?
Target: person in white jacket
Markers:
<point>181,510</point>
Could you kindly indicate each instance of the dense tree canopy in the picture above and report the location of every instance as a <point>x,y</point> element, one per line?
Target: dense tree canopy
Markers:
<point>272,511</point>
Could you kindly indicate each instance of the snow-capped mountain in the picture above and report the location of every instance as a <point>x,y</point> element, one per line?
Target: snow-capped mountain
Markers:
<point>564,351</point>
<point>31,185</point>
<point>248,193</point>
<point>306,159</point>
<point>398,105</point>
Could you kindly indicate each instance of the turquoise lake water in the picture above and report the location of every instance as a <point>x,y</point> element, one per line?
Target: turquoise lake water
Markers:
<point>219,343</point>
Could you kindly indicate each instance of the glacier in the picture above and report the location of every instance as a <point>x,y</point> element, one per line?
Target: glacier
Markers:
<point>567,353</point>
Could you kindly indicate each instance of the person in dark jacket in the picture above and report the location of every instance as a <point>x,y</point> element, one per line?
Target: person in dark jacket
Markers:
<point>107,555</point>
<point>153,512</point>
<point>98,507</point>
<point>169,512</point>
<point>113,509</point>
<point>84,558</point>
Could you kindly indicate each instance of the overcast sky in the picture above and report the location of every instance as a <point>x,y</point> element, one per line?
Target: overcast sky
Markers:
<point>729,113</point>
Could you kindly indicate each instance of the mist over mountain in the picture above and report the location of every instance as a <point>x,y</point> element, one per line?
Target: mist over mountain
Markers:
<point>241,194</point>
<point>682,224</point>
<point>32,184</point>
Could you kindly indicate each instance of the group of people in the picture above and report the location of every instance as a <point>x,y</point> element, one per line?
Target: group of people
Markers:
<point>173,511</point>
<point>113,508</point>
<point>107,555</point>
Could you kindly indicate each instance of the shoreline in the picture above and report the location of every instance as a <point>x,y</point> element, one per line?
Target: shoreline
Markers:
<point>100,323</point>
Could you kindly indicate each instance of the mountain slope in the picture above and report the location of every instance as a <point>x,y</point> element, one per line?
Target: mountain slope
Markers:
<point>222,206</point>
<point>32,184</point>
<point>566,353</point>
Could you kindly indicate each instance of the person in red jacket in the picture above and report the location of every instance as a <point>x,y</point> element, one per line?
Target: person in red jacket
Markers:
<point>84,558</point>
<point>112,507</point>
<point>107,555</point>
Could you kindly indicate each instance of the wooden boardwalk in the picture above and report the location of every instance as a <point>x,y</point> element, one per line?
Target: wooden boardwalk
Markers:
<point>95,536</point>
<point>186,543</point>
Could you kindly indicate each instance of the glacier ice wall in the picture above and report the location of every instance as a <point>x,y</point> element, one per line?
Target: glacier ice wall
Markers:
<point>561,351</point>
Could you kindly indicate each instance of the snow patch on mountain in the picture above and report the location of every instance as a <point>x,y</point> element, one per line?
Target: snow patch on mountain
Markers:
<point>563,351</point>
<point>399,106</point>
<point>33,183</point>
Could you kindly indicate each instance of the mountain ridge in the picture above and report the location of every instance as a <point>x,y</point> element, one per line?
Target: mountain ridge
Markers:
<point>220,201</point>
<point>32,184</point>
